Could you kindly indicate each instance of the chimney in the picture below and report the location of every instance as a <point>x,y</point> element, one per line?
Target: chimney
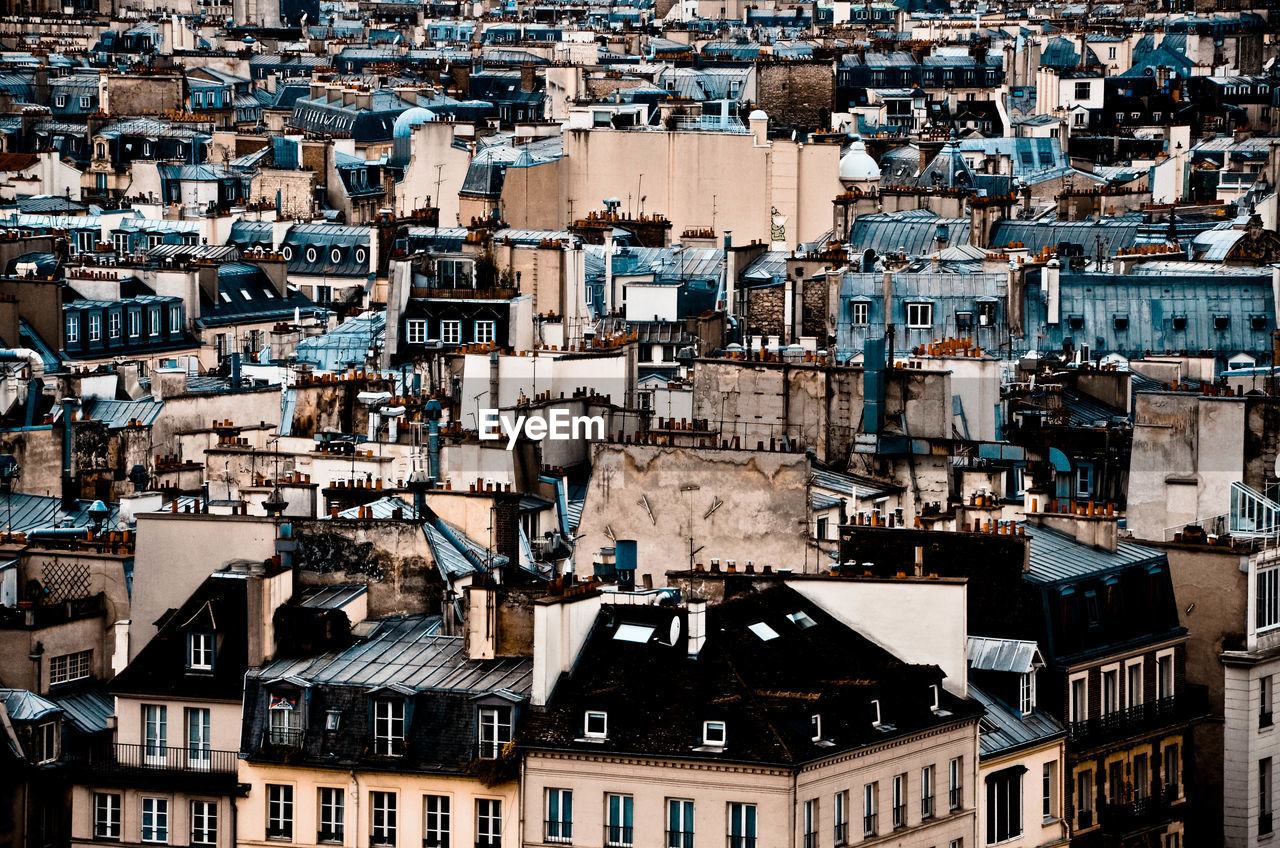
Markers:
<point>561,626</point>
<point>697,627</point>
<point>482,622</point>
<point>759,124</point>
<point>1049,280</point>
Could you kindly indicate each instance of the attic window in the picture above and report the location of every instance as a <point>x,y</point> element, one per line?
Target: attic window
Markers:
<point>1258,322</point>
<point>1179,322</point>
<point>1221,322</point>
<point>964,320</point>
<point>388,726</point>
<point>226,298</point>
<point>200,651</point>
<point>815,728</point>
<point>638,633</point>
<point>802,620</point>
<point>596,725</point>
<point>764,631</point>
<point>714,734</point>
<point>933,694</point>
<point>1121,322</point>
<point>245,293</point>
<point>1075,322</point>
<point>332,719</point>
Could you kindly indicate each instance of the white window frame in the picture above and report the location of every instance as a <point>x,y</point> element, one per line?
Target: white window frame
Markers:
<point>155,733</point>
<point>1267,598</point>
<point>601,718</point>
<point>1110,672</point>
<point>135,323</point>
<point>870,801</point>
<point>715,734</point>
<point>899,809</point>
<point>388,726</point>
<point>486,331</point>
<point>744,825</point>
<point>619,809</point>
<point>280,811</point>
<point>558,816</point>
<point>106,815</point>
<point>955,783</point>
<point>815,726</point>
<point>1166,659</point>
<point>488,822</point>
<point>200,646</point>
<point>860,313</point>
<point>1072,712</point>
<point>1027,692</point>
<point>153,320</point>
<point>1164,767</point>
<point>1049,791</point>
<point>436,812</point>
<point>113,324</point>
<point>332,804</point>
<point>1129,700</point>
<point>451,332</point>
<point>47,740</point>
<point>494,730</point>
<point>384,810</point>
<point>199,725</point>
<point>919,314</point>
<point>415,331</point>
<point>73,328</point>
<point>204,822</point>
<point>175,318</point>
<point>69,667</point>
<point>1012,806</point>
<point>95,326</point>
<point>154,824</point>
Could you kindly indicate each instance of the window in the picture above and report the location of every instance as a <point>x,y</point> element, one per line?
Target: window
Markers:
<point>1264,796</point>
<point>1027,693</point>
<point>388,726</point>
<point>1115,782</point>
<point>488,822</point>
<point>1082,91</point>
<point>204,822</point>
<point>451,332</point>
<point>155,733</point>
<point>153,321</point>
<point>113,324</point>
<point>955,795</point>
<point>175,318</point>
<point>860,313</point>
<point>95,327</point>
<point>155,819</point>
<point>135,323</point>
<point>869,793</point>
<point>106,815</point>
<point>742,825</point>
<point>618,821</point>
<point>495,731</point>
<point>1267,613</point>
<point>811,823</point>
<point>332,814</point>
<point>1264,702</point>
<point>69,667</point>
<point>1221,322</point>
<point>73,328</point>
<point>679,823</point>
<point>415,332</point>
<point>815,721</point>
<point>1084,480</point>
<point>1172,772</point>
<point>284,721</point>
<point>47,739</point>
<point>383,828</point>
<point>60,101</point>
<point>455,274</point>
<point>1141,777</point>
<point>279,811</point>
<point>926,792</point>
<point>1164,675</point>
<point>1084,799</point>
<point>1079,698</point>
<point>919,316</point>
<point>899,801</point>
<point>1110,691</point>
<point>1049,791</point>
<point>200,651</point>
<point>1078,119</point>
<point>1121,322</point>
<point>1111,53</point>
<point>714,733</point>
<point>596,725</point>
<point>1004,805</point>
<point>964,319</point>
<point>822,534</point>
<point>559,815</point>
<point>199,749</point>
<point>484,331</point>
<point>840,818</point>
<point>435,821</point>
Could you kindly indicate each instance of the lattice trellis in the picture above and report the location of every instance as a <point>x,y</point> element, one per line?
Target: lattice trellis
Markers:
<point>65,581</point>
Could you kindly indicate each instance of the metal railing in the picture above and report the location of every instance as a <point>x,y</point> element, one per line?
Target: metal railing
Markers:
<point>121,756</point>
<point>281,737</point>
<point>869,825</point>
<point>955,797</point>
<point>899,816</point>
<point>926,807</point>
<point>1264,718</point>
<point>617,836</point>
<point>841,834</point>
<point>740,841</point>
<point>1139,717</point>
<point>558,831</point>
<point>679,839</point>
<point>811,840</point>
<point>1134,815</point>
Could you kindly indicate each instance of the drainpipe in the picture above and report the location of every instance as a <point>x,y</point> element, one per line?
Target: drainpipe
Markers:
<point>433,440</point>
<point>69,405</point>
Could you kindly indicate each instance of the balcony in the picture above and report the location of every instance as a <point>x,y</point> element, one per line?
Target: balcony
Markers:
<point>841,834</point>
<point>899,816</point>
<point>1142,718</point>
<point>1135,815</point>
<point>679,839</point>
<point>869,825</point>
<point>617,836</point>
<point>955,797</point>
<point>811,840</point>
<point>558,831</point>
<point>151,766</point>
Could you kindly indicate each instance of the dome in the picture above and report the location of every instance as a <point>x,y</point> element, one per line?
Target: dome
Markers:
<point>410,118</point>
<point>757,115</point>
<point>857,165</point>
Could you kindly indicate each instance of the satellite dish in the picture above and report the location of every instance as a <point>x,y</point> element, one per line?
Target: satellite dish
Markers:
<point>675,630</point>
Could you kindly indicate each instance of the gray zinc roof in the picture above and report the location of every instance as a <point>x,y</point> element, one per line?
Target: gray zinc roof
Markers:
<point>987,653</point>
<point>1057,557</point>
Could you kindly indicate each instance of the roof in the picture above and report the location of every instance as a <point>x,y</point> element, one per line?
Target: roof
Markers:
<point>347,343</point>
<point>26,706</point>
<point>912,232</point>
<point>35,512</point>
<point>1003,731</point>
<point>1058,557</point>
<point>117,414</point>
<point>986,653</point>
<point>335,596</point>
<point>409,652</point>
<point>88,709</point>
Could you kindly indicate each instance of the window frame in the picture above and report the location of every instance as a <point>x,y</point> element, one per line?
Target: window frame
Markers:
<point>557,805</point>
<point>914,320</point>
<point>389,716</point>
<point>384,812</point>
<point>743,826</point>
<point>331,813</point>
<point>159,818</point>
<point>437,822</point>
<point>108,827</point>
<point>680,811</point>
<point>1010,825</point>
<point>870,802</point>
<point>415,331</point>
<point>603,732</point>
<point>721,729</point>
<point>201,647</point>
<point>279,821</point>
<point>68,668</point>
<point>203,824</point>
<point>485,330</point>
<point>860,313</point>
<point>489,822</point>
<point>450,331</point>
<point>499,720</point>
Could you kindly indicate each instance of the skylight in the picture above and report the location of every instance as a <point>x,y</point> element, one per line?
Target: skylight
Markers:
<point>802,620</point>
<point>639,633</point>
<point>764,631</point>
<point>246,294</point>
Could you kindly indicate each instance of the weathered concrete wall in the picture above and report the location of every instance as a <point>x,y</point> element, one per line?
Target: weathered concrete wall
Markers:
<point>796,93</point>
<point>150,94</point>
<point>749,505</point>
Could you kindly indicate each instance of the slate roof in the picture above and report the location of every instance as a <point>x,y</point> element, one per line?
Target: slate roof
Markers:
<point>1005,731</point>
<point>987,653</point>
<point>912,232</point>
<point>764,689</point>
<point>117,414</point>
<point>88,709</point>
<point>335,596</point>
<point>35,512</point>
<point>1057,557</point>
<point>352,242</point>
<point>26,706</point>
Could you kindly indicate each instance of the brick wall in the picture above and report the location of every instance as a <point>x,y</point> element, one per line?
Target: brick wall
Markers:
<point>796,93</point>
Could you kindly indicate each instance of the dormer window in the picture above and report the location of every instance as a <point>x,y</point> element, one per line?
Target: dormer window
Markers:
<point>714,734</point>
<point>815,728</point>
<point>388,726</point>
<point>935,704</point>
<point>1027,693</point>
<point>875,712</point>
<point>284,721</point>
<point>200,651</point>
<point>332,720</point>
<point>596,725</point>
<point>495,731</point>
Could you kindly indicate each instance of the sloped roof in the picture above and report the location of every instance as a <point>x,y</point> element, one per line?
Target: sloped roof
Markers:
<point>1018,656</point>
